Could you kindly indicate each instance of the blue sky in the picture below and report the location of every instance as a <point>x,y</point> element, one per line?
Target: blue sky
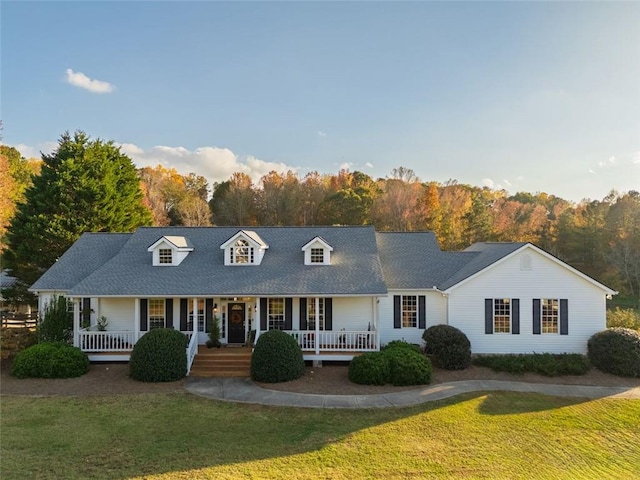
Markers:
<point>522,96</point>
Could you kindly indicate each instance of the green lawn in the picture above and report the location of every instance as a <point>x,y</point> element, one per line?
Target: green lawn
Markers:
<point>495,435</point>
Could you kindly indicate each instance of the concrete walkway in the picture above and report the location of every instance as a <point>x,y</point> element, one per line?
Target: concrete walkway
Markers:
<point>245,391</point>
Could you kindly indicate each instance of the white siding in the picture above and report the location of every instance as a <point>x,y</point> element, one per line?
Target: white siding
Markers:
<point>351,314</point>
<point>436,308</point>
<point>120,313</point>
<point>514,279</point>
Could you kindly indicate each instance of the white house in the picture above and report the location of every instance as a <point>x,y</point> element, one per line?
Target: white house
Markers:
<point>338,290</point>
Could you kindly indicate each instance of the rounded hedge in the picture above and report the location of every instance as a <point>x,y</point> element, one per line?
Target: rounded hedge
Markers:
<point>401,344</point>
<point>277,357</point>
<point>407,367</point>
<point>50,360</point>
<point>616,350</point>
<point>159,356</point>
<point>450,347</point>
<point>370,368</point>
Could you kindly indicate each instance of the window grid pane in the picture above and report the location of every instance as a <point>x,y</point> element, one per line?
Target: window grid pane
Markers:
<point>409,311</point>
<point>165,256</point>
<point>242,252</point>
<point>275,313</point>
<point>311,314</point>
<point>156,313</point>
<point>317,255</point>
<point>550,315</point>
<point>502,315</point>
<point>199,315</point>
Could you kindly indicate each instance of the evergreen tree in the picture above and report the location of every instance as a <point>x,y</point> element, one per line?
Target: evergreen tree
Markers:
<point>84,186</point>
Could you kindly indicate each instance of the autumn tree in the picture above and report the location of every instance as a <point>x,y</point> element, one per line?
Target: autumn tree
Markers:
<point>234,201</point>
<point>84,186</point>
<point>280,199</point>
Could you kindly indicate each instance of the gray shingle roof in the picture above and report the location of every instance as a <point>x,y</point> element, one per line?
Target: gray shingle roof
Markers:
<point>355,267</point>
<point>363,262</point>
<point>83,258</point>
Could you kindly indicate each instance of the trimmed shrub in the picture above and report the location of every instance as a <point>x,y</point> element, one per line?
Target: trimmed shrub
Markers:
<point>623,317</point>
<point>57,322</point>
<point>370,368</point>
<point>277,357</point>
<point>401,344</point>
<point>50,360</point>
<point>449,346</point>
<point>617,351</point>
<point>407,367</point>
<point>159,356</point>
<point>548,364</point>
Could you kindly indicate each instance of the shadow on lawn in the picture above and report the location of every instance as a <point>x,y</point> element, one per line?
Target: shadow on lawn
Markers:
<point>512,403</point>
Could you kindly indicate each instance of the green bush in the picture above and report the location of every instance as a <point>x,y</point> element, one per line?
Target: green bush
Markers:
<point>617,351</point>
<point>277,357</point>
<point>159,356</point>
<point>57,322</point>
<point>449,346</point>
<point>407,367</point>
<point>548,364</point>
<point>50,360</point>
<point>370,368</point>
<point>402,344</point>
<point>623,317</point>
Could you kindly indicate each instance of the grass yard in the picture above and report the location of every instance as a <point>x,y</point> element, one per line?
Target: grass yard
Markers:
<point>495,435</point>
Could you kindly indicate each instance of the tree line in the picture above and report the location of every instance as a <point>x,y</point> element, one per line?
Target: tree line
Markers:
<point>89,185</point>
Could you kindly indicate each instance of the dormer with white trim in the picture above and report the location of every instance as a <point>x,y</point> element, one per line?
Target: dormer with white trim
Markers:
<point>170,251</point>
<point>243,249</point>
<point>317,252</point>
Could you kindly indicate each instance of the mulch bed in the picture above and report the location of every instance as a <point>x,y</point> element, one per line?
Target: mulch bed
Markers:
<point>113,378</point>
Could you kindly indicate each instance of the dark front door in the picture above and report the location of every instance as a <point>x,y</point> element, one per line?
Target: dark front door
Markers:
<point>236,323</point>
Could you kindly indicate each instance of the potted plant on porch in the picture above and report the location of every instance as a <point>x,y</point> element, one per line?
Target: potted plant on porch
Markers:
<point>214,333</point>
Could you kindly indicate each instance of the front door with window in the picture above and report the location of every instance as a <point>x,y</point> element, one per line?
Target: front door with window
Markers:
<point>236,333</point>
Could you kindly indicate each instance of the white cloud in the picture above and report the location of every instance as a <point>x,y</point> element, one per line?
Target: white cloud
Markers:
<point>346,166</point>
<point>213,163</point>
<point>369,165</point>
<point>79,79</point>
<point>321,133</point>
<point>607,163</point>
<point>487,182</point>
<point>507,182</point>
<point>27,151</point>
<point>591,171</point>
<point>636,158</point>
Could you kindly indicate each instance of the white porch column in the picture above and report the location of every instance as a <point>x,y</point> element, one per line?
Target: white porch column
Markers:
<point>376,307</point>
<point>136,318</point>
<point>76,321</point>
<point>257,320</point>
<point>317,329</point>
<point>194,316</point>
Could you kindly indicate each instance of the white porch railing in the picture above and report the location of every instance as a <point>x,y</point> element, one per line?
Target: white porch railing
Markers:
<point>192,350</point>
<point>336,341</point>
<point>107,341</point>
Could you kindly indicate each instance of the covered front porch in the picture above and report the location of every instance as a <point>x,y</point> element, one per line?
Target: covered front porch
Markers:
<point>326,329</point>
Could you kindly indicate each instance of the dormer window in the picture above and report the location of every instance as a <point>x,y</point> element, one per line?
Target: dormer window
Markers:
<point>317,255</point>
<point>241,252</point>
<point>244,248</point>
<point>170,251</point>
<point>165,256</point>
<point>317,252</point>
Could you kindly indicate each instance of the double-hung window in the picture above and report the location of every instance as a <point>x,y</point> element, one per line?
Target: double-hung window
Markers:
<point>312,311</point>
<point>502,315</point>
<point>275,313</point>
<point>409,311</point>
<point>156,313</point>
<point>550,315</point>
<point>165,256</point>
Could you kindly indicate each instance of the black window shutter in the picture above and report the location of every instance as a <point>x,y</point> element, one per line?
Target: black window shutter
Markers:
<point>488,315</point>
<point>263,314</point>
<point>328,313</point>
<point>208,314</point>
<point>536,316</point>
<point>515,316</point>
<point>144,314</point>
<point>303,314</point>
<point>396,311</point>
<point>422,311</point>
<point>86,311</point>
<point>288,313</point>
<point>564,316</point>
<point>168,313</point>
<point>184,309</point>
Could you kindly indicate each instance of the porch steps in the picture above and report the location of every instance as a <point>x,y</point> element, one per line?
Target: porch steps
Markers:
<point>222,362</point>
